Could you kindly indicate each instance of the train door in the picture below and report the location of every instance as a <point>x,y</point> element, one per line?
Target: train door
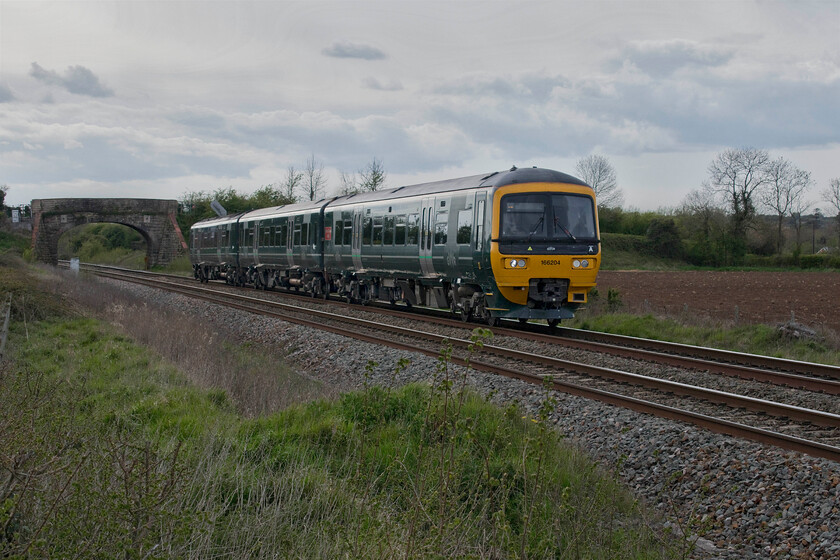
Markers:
<point>481,236</point>
<point>427,217</point>
<point>289,227</point>
<point>357,239</point>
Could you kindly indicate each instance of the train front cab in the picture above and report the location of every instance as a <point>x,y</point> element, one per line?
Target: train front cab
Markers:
<point>545,250</point>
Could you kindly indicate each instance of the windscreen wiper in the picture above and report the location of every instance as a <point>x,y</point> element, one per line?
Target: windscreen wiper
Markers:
<point>564,230</point>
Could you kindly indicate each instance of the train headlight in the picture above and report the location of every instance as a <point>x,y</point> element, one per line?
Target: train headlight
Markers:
<point>576,263</point>
<point>584,263</point>
<point>517,263</point>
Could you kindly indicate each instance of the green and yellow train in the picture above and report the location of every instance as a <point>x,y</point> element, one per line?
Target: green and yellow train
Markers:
<point>520,244</point>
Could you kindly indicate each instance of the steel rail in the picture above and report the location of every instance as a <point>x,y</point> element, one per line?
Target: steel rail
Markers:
<point>781,364</point>
<point>705,359</point>
<point>257,305</point>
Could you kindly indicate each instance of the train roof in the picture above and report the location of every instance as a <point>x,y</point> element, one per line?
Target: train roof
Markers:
<point>276,211</point>
<point>496,179</point>
<point>217,220</point>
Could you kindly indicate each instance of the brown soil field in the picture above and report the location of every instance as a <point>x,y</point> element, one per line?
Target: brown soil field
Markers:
<point>812,298</point>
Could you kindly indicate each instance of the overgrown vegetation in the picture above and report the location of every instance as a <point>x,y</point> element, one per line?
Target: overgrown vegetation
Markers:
<point>104,243</point>
<point>107,451</point>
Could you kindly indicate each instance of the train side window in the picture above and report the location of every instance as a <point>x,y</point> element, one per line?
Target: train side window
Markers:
<point>377,230</point>
<point>338,233</point>
<point>399,232</point>
<point>441,227</point>
<point>412,231</point>
<point>266,242</point>
<point>283,234</point>
<point>464,233</point>
<point>388,231</point>
<point>367,231</point>
<point>250,237</point>
<point>479,226</point>
<point>296,237</point>
<point>304,234</point>
<point>348,232</point>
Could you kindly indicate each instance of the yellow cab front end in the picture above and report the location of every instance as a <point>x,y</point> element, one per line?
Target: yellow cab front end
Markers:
<point>545,250</point>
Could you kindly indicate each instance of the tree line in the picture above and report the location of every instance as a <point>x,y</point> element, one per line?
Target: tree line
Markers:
<point>297,185</point>
<point>729,215</point>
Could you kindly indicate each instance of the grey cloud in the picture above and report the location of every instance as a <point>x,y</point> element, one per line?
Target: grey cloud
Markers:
<point>353,50</point>
<point>76,79</point>
<point>663,58</point>
<point>538,113</point>
<point>531,86</point>
<point>6,94</point>
<point>390,85</point>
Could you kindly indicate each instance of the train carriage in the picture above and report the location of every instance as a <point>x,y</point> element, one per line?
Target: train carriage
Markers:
<point>214,247</point>
<point>283,246</point>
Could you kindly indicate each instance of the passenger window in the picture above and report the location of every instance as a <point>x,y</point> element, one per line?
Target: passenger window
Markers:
<point>464,227</point>
<point>399,233</point>
<point>412,229</point>
<point>337,233</point>
<point>441,226</point>
<point>377,230</point>
<point>388,231</point>
<point>297,234</point>
<point>348,232</point>
<point>367,231</point>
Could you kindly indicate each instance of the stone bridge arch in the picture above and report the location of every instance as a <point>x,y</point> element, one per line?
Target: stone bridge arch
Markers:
<point>154,219</point>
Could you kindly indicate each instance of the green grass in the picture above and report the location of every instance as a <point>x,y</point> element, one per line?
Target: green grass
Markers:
<point>13,242</point>
<point>139,462</point>
<point>755,339</point>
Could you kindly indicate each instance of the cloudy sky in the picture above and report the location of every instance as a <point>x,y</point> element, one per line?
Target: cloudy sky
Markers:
<point>156,99</point>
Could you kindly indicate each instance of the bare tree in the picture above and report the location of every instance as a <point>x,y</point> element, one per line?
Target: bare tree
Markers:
<point>291,183</point>
<point>832,196</point>
<point>786,184</point>
<point>597,171</point>
<point>313,178</point>
<point>348,183</point>
<point>737,174</point>
<point>797,219</point>
<point>372,176</point>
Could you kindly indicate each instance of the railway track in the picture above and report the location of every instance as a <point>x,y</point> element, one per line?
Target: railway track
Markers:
<point>784,425</point>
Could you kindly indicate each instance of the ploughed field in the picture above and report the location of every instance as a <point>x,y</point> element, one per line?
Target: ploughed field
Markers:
<point>760,297</point>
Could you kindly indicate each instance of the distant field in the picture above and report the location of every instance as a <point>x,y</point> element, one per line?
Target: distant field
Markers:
<point>760,296</point>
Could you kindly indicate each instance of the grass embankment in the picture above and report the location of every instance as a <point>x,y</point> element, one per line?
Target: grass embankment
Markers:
<point>752,338</point>
<point>107,450</point>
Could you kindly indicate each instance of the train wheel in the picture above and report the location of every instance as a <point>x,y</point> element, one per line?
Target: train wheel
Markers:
<point>523,320</point>
<point>492,321</point>
<point>552,323</point>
